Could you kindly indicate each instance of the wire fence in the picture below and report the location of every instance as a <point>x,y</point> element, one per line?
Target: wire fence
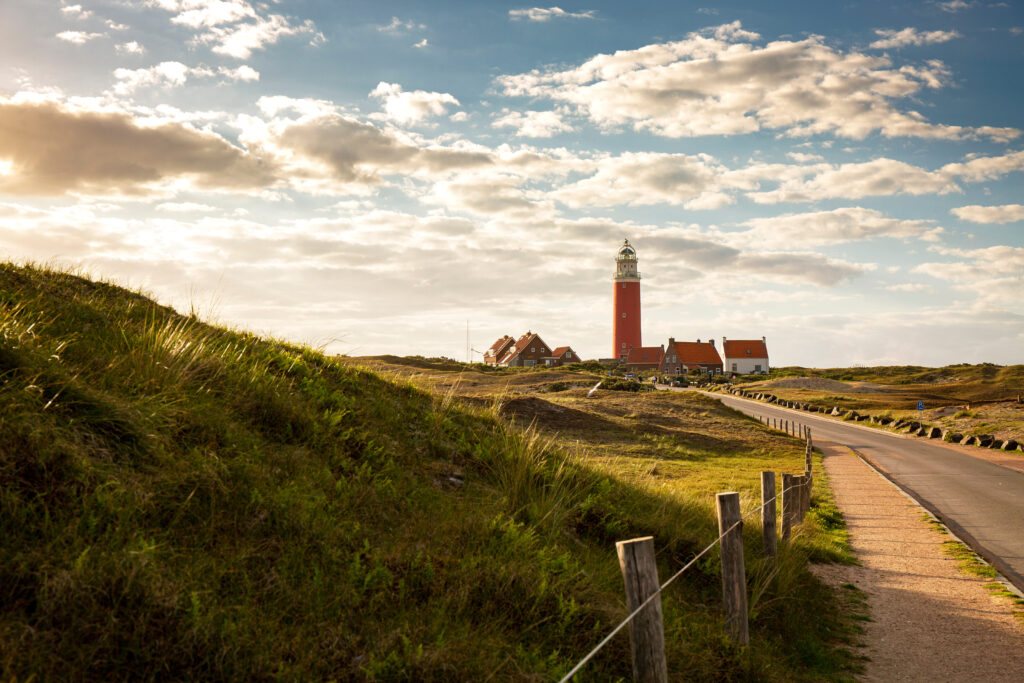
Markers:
<point>572,672</point>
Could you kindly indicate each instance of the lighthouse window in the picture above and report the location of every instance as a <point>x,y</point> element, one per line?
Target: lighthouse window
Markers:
<point>623,315</point>
<point>623,285</point>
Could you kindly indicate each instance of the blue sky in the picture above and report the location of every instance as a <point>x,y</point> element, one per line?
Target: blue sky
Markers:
<point>368,177</point>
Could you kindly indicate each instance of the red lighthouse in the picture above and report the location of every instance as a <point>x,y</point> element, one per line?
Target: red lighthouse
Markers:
<point>627,302</point>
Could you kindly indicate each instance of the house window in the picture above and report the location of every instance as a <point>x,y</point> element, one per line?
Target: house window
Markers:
<point>734,367</point>
<point>532,349</point>
<point>757,368</point>
<point>748,352</point>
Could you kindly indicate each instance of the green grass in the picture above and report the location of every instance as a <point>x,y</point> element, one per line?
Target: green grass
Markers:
<point>968,562</point>
<point>181,501</point>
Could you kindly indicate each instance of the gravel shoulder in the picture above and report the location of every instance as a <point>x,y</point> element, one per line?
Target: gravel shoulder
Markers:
<point>930,622</point>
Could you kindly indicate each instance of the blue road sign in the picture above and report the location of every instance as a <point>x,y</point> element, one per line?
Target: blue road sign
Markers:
<point>920,405</point>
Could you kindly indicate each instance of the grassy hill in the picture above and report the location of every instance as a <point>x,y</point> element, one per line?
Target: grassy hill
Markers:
<point>184,502</point>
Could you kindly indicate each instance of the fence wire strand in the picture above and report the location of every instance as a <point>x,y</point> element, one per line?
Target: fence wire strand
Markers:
<point>631,615</point>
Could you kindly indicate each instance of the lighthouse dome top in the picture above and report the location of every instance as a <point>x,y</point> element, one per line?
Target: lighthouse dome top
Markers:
<point>626,251</point>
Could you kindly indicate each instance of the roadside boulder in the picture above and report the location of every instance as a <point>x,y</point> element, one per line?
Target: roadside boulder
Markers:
<point>996,443</point>
<point>969,440</point>
<point>914,426</point>
<point>838,411</point>
<point>985,440</point>
<point>933,433</point>
<point>1010,445</point>
<point>899,424</point>
<point>952,437</point>
<point>863,418</point>
<point>884,421</point>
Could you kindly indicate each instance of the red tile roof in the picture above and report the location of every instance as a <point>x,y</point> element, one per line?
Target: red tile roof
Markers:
<point>697,352</point>
<point>560,351</point>
<point>499,347</point>
<point>521,345</point>
<point>644,354</point>
<point>737,348</point>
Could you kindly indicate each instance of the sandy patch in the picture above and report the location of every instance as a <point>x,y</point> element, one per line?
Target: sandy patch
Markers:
<point>930,621</point>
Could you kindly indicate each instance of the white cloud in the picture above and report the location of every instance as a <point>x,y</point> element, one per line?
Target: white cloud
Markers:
<point>994,274</point>
<point>848,224</point>
<point>986,168</point>
<point>645,178</point>
<point>411,107</point>
<point>78,37</point>
<point>719,81</point>
<point>422,43</point>
<point>76,11</point>
<point>548,13</point>
<point>164,74</point>
<point>879,177</point>
<point>242,73</point>
<point>532,124</point>
<point>174,74</point>
<point>954,5</point>
<point>234,27</point>
<point>1007,213</point>
<point>211,13</point>
<point>804,158</point>
<point>132,47</point>
<point>115,26</point>
<point>59,149</point>
<point>185,207</point>
<point>910,36</point>
<point>399,26</point>
<point>909,287</point>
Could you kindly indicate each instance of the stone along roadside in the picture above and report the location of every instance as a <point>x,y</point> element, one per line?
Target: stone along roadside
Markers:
<point>930,621</point>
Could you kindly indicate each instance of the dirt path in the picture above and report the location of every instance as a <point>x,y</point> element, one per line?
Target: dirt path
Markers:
<point>930,621</point>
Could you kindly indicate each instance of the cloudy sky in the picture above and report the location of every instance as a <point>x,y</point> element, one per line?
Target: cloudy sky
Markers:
<point>369,176</point>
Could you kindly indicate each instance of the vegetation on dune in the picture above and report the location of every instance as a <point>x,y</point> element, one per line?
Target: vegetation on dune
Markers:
<point>180,501</point>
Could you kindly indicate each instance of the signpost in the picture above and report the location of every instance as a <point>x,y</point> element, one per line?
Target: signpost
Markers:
<point>920,405</point>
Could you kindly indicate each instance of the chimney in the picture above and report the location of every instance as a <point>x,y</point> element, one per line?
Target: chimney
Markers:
<point>723,342</point>
<point>671,341</point>
<point>764,339</point>
<point>698,340</point>
<point>711,340</point>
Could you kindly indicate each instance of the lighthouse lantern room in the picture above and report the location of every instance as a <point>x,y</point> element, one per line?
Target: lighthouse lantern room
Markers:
<point>626,299</point>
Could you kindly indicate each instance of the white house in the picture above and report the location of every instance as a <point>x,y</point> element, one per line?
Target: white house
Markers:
<point>745,356</point>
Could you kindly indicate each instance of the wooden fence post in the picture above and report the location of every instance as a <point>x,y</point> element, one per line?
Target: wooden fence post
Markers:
<point>789,496</point>
<point>768,513</point>
<point>734,576</point>
<point>646,632</point>
<point>804,487</point>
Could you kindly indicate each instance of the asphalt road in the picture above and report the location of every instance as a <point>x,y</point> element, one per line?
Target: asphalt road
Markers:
<point>983,503</point>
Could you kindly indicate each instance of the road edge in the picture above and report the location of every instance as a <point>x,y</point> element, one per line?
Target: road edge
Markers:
<point>955,531</point>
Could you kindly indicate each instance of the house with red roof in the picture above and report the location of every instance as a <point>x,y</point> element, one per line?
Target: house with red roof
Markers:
<point>564,355</point>
<point>498,350</point>
<point>645,357</point>
<point>745,356</point>
<point>698,356</point>
<point>528,351</point>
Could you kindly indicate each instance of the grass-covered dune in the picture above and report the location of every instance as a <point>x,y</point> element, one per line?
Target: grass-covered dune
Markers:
<point>184,502</point>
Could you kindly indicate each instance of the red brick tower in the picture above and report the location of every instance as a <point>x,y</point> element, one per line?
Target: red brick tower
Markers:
<point>627,302</point>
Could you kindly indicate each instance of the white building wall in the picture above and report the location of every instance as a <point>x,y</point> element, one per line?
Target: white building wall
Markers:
<point>746,365</point>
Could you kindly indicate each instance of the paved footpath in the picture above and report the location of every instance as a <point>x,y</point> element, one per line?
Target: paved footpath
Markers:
<point>930,621</point>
